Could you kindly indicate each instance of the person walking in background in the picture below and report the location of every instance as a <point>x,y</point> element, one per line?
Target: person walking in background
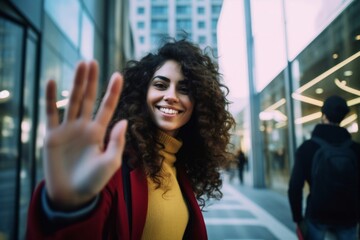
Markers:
<point>241,164</point>
<point>144,167</point>
<point>330,163</point>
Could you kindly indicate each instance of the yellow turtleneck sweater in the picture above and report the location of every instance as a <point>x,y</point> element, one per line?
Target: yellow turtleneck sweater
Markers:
<point>167,214</point>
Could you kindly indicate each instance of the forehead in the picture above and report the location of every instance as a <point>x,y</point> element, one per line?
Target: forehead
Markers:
<point>170,69</point>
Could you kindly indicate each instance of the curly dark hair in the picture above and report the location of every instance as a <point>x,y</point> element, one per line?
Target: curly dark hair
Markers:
<point>205,137</point>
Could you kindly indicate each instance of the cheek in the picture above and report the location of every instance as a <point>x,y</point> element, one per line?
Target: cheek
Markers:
<point>149,99</point>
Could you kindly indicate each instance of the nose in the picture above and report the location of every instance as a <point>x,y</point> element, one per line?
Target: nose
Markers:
<point>170,96</point>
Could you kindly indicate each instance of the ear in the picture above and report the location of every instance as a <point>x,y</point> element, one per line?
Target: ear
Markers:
<point>324,119</point>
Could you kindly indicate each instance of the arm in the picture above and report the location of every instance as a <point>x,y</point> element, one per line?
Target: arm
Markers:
<point>76,165</point>
<point>296,184</point>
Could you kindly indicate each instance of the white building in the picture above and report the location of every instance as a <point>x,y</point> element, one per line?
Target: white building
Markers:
<point>152,19</point>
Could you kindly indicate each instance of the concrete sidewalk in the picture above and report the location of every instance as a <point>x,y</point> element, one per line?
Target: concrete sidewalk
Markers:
<point>274,203</point>
<point>249,213</point>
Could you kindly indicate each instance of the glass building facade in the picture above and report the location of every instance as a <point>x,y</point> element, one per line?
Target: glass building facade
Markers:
<point>40,40</point>
<point>153,19</point>
<point>314,54</point>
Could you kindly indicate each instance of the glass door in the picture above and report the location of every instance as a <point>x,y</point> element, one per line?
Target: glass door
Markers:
<point>18,67</point>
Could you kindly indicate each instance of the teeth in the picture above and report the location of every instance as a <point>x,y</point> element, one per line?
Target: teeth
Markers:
<point>168,110</point>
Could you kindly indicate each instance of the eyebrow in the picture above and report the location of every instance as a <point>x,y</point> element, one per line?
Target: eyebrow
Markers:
<point>162,78</point>
<point>168,80</point>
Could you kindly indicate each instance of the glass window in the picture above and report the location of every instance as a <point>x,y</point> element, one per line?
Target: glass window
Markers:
<point>140,25</point>
<point>87,37</point>
<point>10,82</point>
<point>269,40</point>
<point>214,38</point>
<point>96,11</point>
<point>159,10</point>
<point>302,29</point>
<point>180,35</point>
<point>202,39</point>
<point>27,130</point>
<point>214,23</point>
<point>140,10</point>
<point>216,9</point>
<point>159,25</point>
<point>186,10</point>
<point>142,39</point>
<point>274,131</point>
<point>201,24</point>
<point>155,39</point>
<point>66,14</point>
<point>183,24</point>
<point>325,68</point>
<point>201,10</point>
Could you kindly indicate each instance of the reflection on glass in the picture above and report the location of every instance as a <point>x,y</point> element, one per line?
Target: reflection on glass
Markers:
<point>307,18</point>
<point>269,40</point>
<point>274,128</point>
<point>332,67</point>
<point>10,58</point>
<point>27,131</point>
<point>87,37</point>
<point>66,14</point>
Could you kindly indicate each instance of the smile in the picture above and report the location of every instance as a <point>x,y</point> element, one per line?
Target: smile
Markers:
<point>168,111</point>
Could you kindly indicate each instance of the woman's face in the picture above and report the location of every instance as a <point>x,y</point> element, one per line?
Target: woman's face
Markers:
<point>168,98</point>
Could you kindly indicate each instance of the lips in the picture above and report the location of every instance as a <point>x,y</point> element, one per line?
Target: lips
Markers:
<point>169,111</point>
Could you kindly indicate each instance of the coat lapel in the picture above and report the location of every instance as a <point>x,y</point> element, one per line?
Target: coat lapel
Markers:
<point>139,202</point>
<point>196,228</point>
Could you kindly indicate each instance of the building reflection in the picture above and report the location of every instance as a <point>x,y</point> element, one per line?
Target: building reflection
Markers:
<point>328,65</point>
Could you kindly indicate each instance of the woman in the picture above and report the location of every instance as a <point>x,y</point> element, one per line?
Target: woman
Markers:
<point>145,165</point>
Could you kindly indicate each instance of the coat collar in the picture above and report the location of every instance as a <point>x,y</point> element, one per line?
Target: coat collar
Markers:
<point>139,199</point>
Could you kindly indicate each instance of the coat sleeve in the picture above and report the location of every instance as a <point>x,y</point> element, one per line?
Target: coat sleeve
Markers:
<point>103,222</point>
<point>296,185</point>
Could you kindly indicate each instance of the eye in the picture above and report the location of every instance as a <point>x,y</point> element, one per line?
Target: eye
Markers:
<point>184,89</point>
<point>159,85</point>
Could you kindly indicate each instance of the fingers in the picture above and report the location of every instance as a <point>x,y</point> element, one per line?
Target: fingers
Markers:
<point>52,119</point>
<point>90,90</point>
<point>116,144</point>
<point>76,96</point>
<point>110,100</point>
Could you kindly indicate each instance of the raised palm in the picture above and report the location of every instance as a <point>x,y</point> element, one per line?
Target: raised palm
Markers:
<point>76,164</point>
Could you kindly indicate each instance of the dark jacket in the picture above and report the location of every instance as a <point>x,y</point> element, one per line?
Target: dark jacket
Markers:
<point>110,220</point>
<point>301,173</point>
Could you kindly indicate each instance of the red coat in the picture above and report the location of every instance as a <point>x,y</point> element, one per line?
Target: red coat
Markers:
<point>110,220</point>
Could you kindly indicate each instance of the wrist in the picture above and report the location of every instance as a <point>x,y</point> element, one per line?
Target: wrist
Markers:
<point>55,213</point>
<point>66,202</point>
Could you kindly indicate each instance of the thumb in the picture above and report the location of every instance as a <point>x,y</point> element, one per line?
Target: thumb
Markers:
<point>116,143</point>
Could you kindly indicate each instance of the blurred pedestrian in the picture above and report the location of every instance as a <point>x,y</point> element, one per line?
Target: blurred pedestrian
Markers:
<point>146,164</point>
<point>330,163</point>
<point>241,164</point>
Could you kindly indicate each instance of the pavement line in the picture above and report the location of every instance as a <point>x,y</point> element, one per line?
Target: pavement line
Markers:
<point>232,221</point>
<point>226,207</point>
<point>264,218</point>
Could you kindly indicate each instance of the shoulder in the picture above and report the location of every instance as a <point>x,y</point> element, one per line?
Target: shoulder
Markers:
<point>308,145</point>
<point>306,151</point>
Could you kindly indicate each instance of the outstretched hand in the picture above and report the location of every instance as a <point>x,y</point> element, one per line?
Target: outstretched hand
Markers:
<point>76,164</point>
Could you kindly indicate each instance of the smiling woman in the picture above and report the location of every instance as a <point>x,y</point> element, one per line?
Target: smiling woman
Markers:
<point>168,100</point>
<point>149,179</point>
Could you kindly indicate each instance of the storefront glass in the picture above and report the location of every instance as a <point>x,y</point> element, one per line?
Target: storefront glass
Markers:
<point>269,40</point>
<point>328,66</point>
<point>325,65</point>
<point>274,129</point>
<point>10,91</point>
<point>305,19</point>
